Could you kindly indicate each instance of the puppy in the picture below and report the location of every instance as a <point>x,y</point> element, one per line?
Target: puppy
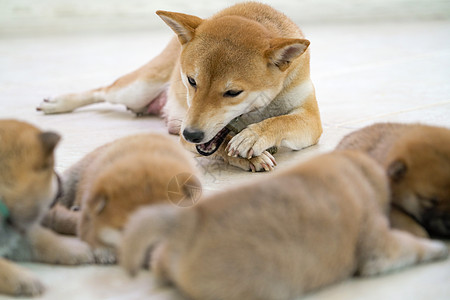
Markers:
<point>417,160</point>
<point>28,185</point>
<point>301,229</point>
<point>114,180</point>
<point>248,61</point>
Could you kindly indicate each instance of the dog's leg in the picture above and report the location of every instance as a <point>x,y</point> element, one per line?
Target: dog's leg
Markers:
<point>49,247</point>
<point>384,250</point>
<point>136,90</point>
<point>297,130</point>
<point>17,281</point>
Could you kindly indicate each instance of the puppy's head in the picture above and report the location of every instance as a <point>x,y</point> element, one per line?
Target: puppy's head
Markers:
<point>419,171</point>
<point>119,191</point>
<point>230,66</point>
<point>28,182</point>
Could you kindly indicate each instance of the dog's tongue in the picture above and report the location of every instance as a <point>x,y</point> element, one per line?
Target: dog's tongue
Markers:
<point>210,147</point>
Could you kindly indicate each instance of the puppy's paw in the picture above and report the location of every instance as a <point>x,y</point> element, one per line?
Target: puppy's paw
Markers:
<point>248,143</point>
<point>105,256</point>
<point>434,250</point>
<point>53,105</point>
<point>22,284</point>
<point>76,252</point>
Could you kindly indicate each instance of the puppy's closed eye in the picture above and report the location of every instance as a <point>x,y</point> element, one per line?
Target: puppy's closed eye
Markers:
<point>429,202</point>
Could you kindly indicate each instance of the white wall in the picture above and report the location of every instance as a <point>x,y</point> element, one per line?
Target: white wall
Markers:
<point>62,16</point>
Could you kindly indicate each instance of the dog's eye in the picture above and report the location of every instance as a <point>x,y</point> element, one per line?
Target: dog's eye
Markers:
<point>192,82</point>
<point>232,93</point>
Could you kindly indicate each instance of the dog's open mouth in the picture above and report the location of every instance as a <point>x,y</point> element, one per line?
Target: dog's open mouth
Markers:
<point>211,146</point>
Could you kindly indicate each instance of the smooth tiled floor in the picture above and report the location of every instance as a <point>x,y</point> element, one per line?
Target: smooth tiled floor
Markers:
<point>363,74</point>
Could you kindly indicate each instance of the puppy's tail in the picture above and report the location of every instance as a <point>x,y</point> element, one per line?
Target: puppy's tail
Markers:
<point>147,227</point>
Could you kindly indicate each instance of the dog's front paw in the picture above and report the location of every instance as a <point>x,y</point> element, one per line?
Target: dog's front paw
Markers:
<point>434,250</point>
<point>75,252</point>
<point>16,281</point>
<point>248,143</point>
<point>105,256</point>
<point>49,247</point>
<point>264,162</point>
<point>27,285</point>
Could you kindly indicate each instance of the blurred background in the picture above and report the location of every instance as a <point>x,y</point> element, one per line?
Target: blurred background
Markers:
<point>21,17</point>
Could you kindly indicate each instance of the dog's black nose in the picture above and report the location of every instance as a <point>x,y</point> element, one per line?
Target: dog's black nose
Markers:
<point>193,136</point>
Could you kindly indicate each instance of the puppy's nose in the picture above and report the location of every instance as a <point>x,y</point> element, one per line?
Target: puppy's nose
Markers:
<point>193,136</point>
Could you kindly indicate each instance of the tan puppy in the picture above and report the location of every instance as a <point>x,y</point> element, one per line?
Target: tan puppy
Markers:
<point>248,61</point>
<point>28,184</point>
<point>315,224</point>
<point>417,160</point>
<point>114,180</point>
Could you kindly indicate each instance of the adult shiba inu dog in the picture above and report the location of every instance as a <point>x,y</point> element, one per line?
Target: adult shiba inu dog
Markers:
<point>278,238</point>
<point>248,61</point>
<point>417,159</point>
<point>108,184</point>
<point>28,185</point>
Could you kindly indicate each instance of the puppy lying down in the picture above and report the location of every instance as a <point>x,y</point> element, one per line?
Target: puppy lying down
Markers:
<point>298,230</point>
<point>28,185</point>
<point>108,184</point>
<point>417,160</point>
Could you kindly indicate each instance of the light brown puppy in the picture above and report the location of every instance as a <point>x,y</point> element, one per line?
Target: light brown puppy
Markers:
<point>315,224</point>
<point>248,61</point>
<point>28,185</point>
<point>114,180</point>
<point>417,160</point>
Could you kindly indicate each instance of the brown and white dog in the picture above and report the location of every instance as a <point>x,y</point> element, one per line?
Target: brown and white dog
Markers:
<point>110,183</point>
<point>28,184</point>
<point>417,160</point>
<point>248,61</point>
<point>296,231</point>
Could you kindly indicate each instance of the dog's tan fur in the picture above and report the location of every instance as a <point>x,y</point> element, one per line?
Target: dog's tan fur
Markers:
<point>301,229</point>
<point>249,47</point>
<point>28,184</point>
<point>114,180</point>
<point>417,160</point>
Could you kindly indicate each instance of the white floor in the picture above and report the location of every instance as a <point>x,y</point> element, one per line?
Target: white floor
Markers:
<point>363,74</point>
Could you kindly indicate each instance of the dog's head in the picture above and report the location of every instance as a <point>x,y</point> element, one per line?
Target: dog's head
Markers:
<point>230,66</point>
<point>121,189</point>
<point>28,182</point>
<point>419,171</point>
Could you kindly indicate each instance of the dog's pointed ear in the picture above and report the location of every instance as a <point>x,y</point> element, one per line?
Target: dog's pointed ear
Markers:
<point>98,204</point>
<point>183,25</point>
<point>283,51</point>
<point>397,170</point>
<point>49,140</point>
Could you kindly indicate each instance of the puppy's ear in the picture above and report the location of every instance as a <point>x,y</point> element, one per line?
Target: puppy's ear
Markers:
<point>49,140</point>
<point>283,51</point>
<point>183,25</point>
<point>397,170</point>
<point>98,204</point>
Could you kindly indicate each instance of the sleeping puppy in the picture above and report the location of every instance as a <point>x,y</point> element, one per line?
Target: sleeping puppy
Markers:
<point>112,181</point>
<point>28,185</point>
<point>279,238</point>
<point>417,160</point>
